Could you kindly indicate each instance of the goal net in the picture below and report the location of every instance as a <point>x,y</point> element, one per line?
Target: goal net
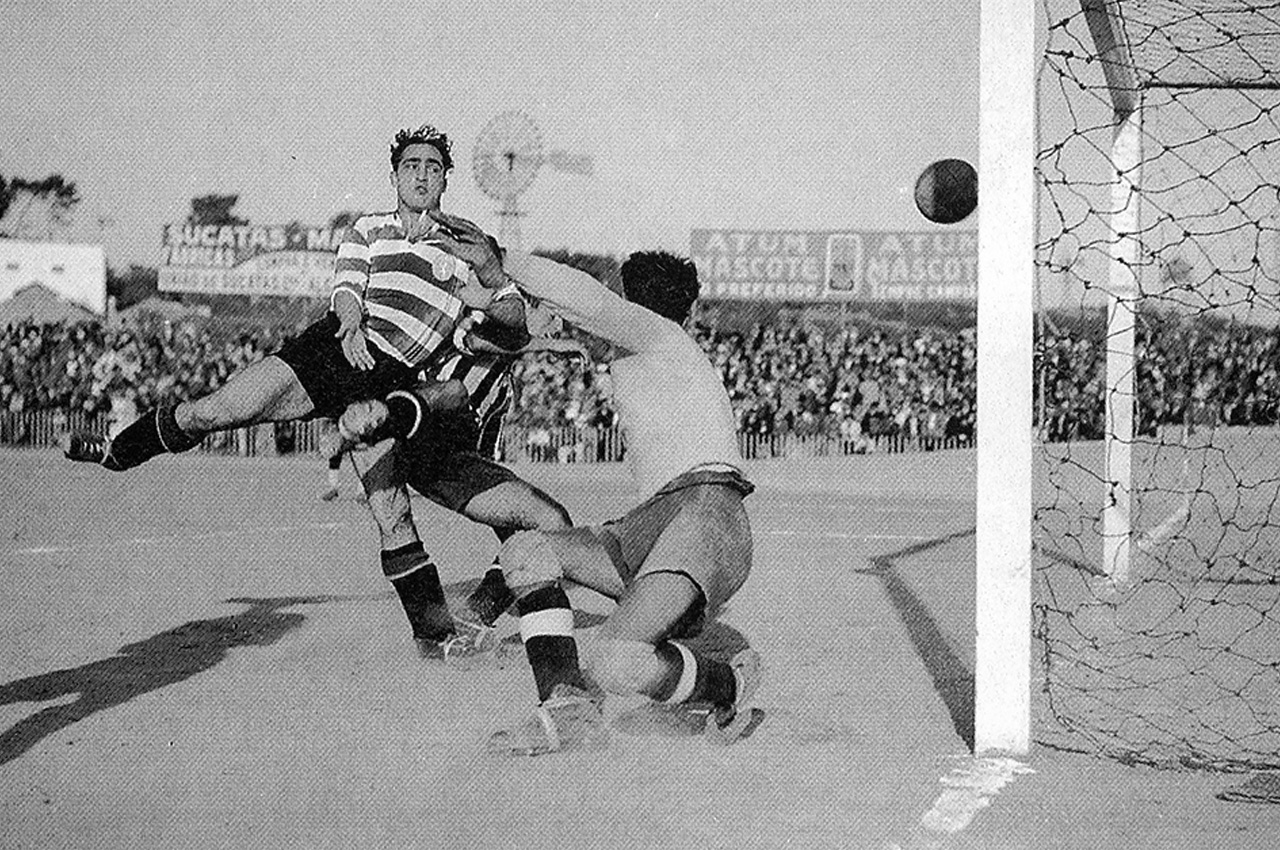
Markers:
<point>1157,382</point>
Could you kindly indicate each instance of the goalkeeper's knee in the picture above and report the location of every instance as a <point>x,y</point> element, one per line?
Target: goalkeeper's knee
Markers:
<point>529,559</point>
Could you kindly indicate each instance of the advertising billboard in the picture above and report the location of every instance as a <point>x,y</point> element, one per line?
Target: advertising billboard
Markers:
<point>845,265</point>
<point>248,259</point>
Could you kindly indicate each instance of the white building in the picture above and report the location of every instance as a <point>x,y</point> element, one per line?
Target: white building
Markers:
<point>76,272</point>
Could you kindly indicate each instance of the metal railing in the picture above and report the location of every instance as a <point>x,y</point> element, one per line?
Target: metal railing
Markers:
<point>519,444</point>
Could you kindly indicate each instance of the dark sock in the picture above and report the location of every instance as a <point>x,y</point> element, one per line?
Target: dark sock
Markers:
<point>417,583</point>
<point>713,681</point>
<point>153,433</point>
<point>137,443</point>
<point>546,625</point>
<point>172,436</point>
<point>491,597</point>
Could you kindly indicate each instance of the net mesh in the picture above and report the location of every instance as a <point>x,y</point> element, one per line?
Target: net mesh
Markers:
<point>1179,664</point>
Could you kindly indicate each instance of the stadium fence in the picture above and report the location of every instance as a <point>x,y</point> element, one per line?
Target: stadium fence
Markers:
<point>520,444</point>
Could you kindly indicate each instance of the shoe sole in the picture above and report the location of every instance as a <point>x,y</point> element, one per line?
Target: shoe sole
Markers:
<point>748,670</point>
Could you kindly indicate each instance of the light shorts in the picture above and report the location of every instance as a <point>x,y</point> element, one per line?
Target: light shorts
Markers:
<point>696,525</point>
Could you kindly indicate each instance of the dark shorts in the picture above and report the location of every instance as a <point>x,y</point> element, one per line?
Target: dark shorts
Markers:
<point>442,462</point>
<point>316,358</point>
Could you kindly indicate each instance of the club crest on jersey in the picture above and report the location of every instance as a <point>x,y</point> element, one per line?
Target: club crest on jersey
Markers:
<point>444,266</point>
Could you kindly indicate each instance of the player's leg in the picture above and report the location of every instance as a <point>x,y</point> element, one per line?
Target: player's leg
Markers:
<point>405,562</point>
<point>444,466</point>
<point>308,374</point>
<point>568,715</point>
<point>508,506</point>
<point>265,391</point>
<point>699,558</point>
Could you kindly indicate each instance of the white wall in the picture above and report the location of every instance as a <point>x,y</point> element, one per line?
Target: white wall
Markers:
<point>76,272</point>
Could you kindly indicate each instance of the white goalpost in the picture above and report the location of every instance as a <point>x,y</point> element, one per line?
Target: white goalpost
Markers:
<point>1006,291</point>
<point>1125,225</point>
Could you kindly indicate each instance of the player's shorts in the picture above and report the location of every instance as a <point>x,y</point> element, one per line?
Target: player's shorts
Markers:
<point>316,358</point>
<point>442,462</point>
<point>705,536</point>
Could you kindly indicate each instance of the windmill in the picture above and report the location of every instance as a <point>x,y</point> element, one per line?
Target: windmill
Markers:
<point>507,155</point>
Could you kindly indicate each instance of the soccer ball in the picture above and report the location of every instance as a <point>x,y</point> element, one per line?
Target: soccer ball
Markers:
<point>947,191</point>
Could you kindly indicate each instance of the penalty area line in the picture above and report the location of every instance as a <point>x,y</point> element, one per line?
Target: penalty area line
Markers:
<point>175,538</point>
<point>840,535</point>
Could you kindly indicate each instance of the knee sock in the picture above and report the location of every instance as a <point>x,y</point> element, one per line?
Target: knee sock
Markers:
<point>417,583</point>
<point>491,597</point>
<point>693,678</point>
<point>546,627</point>
<point>153,433</point>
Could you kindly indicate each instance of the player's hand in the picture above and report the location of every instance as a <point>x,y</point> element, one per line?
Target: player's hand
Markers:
<point>466,340</point>
<point>361,419</point>
<point>331,444</point>
<point>351,332</point>
<point>473,293</point>
<point>466,241</point>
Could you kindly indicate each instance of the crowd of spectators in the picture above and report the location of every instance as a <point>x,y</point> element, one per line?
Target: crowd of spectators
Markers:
<point>90,368</point>
<point>1191,371</point>
<point>860,385</point>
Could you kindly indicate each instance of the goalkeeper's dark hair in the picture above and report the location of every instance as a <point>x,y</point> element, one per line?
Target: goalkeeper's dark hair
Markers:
<point>424,135</point>
<point>661,281</point>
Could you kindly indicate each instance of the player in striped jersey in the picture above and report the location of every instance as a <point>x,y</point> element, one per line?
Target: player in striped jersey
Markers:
<point>395,303</point>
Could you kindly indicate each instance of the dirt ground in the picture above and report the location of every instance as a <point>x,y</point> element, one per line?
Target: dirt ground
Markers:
<point>201,653</point>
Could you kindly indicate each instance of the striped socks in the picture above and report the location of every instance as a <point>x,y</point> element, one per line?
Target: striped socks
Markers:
<point>546,627</point>
<point>692,678</point>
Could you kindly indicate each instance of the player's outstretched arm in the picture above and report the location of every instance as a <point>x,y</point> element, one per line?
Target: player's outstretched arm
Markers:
<point>346,299</point>
<point>573,294</point>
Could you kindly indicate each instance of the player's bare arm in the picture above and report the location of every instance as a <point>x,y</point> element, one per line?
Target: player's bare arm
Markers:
<point>350,313</point>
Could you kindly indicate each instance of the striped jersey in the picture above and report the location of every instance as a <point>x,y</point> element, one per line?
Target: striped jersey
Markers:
<point>487,379</point>
<point>408,290</point>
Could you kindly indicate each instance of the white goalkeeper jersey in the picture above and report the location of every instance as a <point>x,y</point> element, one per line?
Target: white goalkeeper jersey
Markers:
<point>673,408</point>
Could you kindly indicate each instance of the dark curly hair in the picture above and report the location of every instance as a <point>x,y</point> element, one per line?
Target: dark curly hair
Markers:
<point>424,135</point>
<point>662,282</point>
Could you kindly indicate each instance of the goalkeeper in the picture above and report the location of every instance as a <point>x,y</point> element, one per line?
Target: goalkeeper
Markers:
<point>392,288</point>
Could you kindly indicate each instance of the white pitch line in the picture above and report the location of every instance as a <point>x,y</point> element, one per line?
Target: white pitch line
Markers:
<point>861,511</point>
<point>969,789</point>
<point>208,535</point>
<point>839,535</point>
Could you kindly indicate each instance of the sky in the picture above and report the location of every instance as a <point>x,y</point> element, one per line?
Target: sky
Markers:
<point>816,115</point>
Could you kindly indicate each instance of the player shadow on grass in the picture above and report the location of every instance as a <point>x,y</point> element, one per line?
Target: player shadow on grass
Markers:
<point>148,665</point>
<point>952,679</point>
